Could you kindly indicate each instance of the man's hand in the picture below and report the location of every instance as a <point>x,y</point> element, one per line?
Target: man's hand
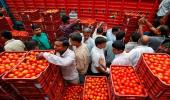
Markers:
<point>101,62</point>
<point>39,56</point>
<point>142,21</point>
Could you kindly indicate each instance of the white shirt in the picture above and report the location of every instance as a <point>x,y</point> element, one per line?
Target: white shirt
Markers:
<point>122,59</point>
<point>130,45</point>
<point>135,53</point>
<point>96,54</point>
<point>90,43</point>
<point>14,45</point>
<point>164,7</point>
<point>110,36</point>
<point>67,63</point>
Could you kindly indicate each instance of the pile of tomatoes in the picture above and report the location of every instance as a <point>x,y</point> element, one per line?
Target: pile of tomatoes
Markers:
<point>125,81</point>
<point>96,88</point>
<point>30,67</point>
<point>159,65</point>
<point>9,60</point>
<point>89,21</point>
<point>73,92</point>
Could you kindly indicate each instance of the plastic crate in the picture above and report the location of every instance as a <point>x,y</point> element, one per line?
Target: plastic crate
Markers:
<point>51,15</point>
<point>155,86</point>
<point>116,96</point>
<point>106,81</point>
<point>31,14</point>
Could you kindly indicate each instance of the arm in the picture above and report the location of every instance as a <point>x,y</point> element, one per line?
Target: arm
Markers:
<point>164,19</point>
<point>72,24</point>
<point>153,29</point>
<point>57,60</point>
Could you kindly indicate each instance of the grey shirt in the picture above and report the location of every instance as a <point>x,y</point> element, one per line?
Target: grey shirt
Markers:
<point>155,42</point>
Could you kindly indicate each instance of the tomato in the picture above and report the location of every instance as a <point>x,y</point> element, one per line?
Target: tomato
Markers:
<point>11,75</point>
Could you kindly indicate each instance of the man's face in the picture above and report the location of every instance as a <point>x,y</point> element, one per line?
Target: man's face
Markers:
<point>103,45</point>
<point>116,51</point>
<point>74,43</point>
<point>37,31</point>
<point>58,46</point>
<point>86,35</point>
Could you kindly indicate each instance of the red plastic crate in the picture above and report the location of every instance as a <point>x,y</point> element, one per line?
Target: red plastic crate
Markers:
<point>108,89</point>
<point>31,14</point>
<point>156,87</point>
<point>51,15</point>
<point>116,96</point>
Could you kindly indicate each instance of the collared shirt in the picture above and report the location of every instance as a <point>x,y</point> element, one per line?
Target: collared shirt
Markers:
<point>90,43</point>
<point>109,55</point>
<point>130,45</point>
<point>155,42</point>
<point>164,7</point>
<point>67,63</point>
<point>96,54</point>
<point>110,36</point>
<point>67,29</point>
<point>135,53</point>
<point>82,58</point>
<point>14,45</point>
<point>122,59</point>
<point>42,40</point>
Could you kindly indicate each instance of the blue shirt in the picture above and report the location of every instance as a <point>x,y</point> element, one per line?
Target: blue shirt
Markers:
<point>110,36</point>
<point>109,55</point>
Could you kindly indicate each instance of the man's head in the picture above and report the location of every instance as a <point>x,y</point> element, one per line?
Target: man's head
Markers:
<point>118,47</point>
<point>87,33</point>
<point>144,40</point>
<point>135,37</point>
<point>100,31</point>
<point>100,42</point>
<point>115,30</point>
<point>6,35</point>
<point>31,45</point>
<point>120,35</point>
<point>75,39</point>
<point>36,29</point>
<point>77,28</point>
<point>65,19</point>
<point>61,44</point>
<point>163,29</point>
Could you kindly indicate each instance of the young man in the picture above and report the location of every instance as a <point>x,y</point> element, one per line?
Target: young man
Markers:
<point>82,54</point>
<point>41,38</point>
<point>10,43</point>
<point>65,58</point>
<point>135,53</point>
<point>121,57</point>
<point>98,66</point>
<point>120,35</point>
<point>111,33</point>
<point>133,42</point>
<point>66,27</point>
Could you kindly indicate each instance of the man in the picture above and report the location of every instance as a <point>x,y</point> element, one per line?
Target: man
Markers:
<point>82,55</point>
<point>87,38</point>
<point>135,53</point>
<point>133,42</point>
<point>164,8</point>
<point>65,58</point>
<point>120,35</point>
<point>160,33</point>
<point>97,53</point>
<point>121,57</point>
<point>111,34</point>
<point>41,38</point>
<point>66,27</point>
<point>10,43</point>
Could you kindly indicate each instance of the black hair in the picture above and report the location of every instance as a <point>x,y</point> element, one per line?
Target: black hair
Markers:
<point>135,37</point>
<point>120,35</point>
<point>1,14</point>
<point>118,45</point>
<point>164,30</point>
<point>64,40</point>
<point>77,27</point>
<point>115,29</point>
<point>7,35</point>
<point>31,45</point>
<point>100,40</point>
<point>100,30</point>
<point>35,26</point>
<point>76,37</point>
<point>65,18</point>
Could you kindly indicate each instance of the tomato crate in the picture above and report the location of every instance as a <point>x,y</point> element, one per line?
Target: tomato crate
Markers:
<point>104,86</point>
<point>51,15</point>
<point>74,92</point>
<point>134,90</point>
<point>31,14</point>
<point>153,66</point>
